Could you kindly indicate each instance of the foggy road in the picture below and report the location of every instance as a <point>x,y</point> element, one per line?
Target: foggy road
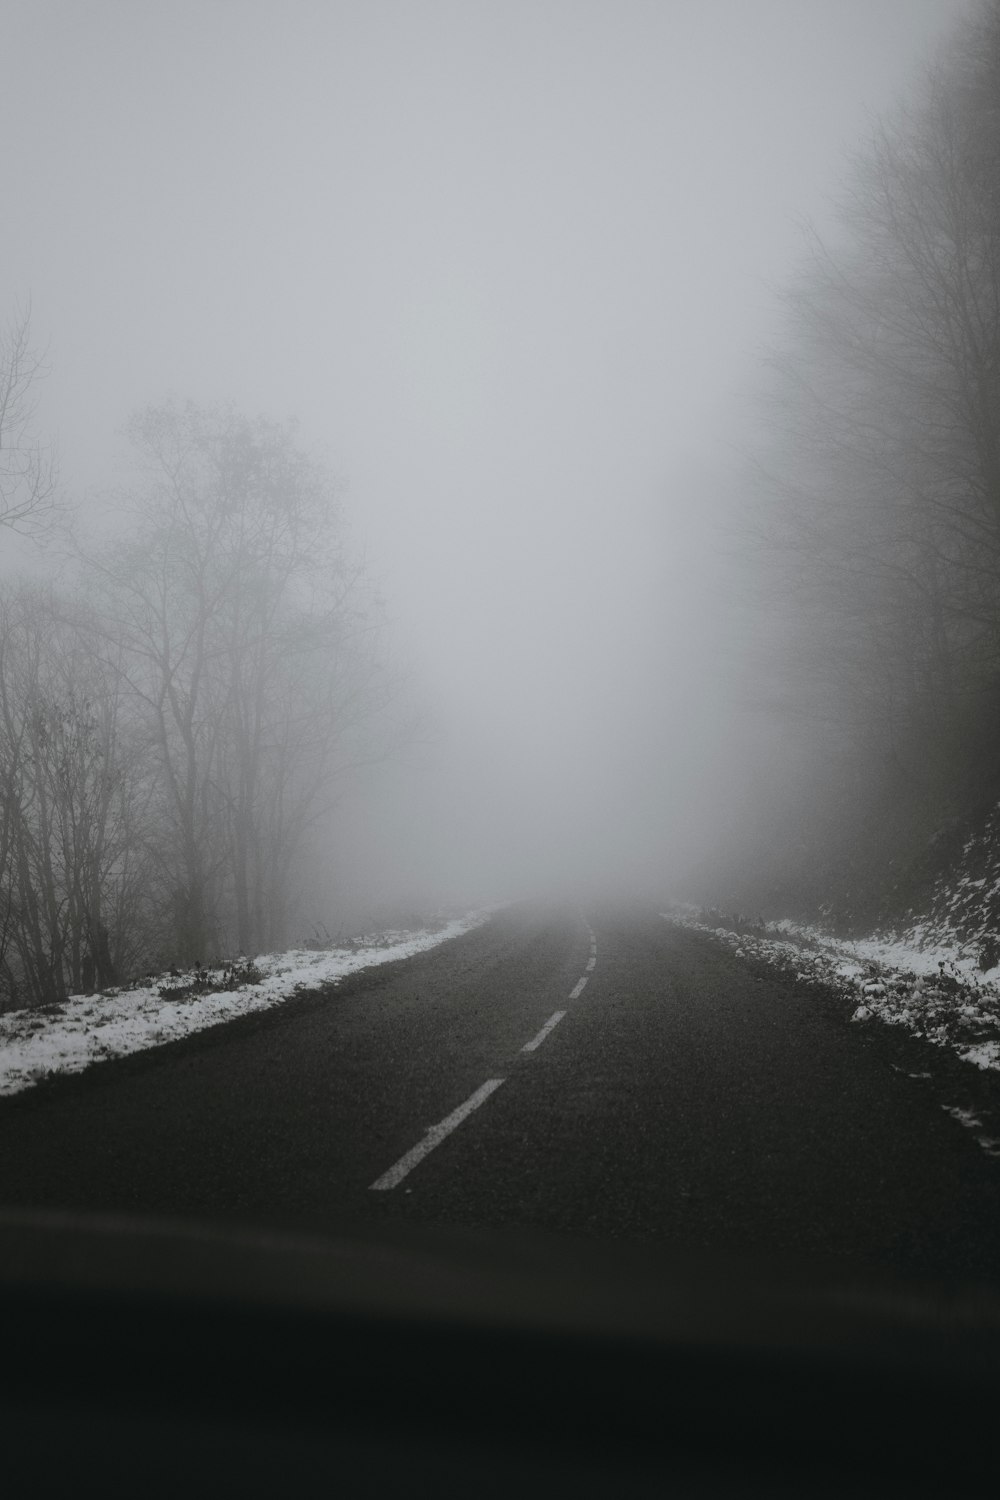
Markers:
<point>606,1076</point>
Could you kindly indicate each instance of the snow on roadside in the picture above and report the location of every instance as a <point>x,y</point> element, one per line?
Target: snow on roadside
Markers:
<point>936,992</point>
<point>68,1037</point>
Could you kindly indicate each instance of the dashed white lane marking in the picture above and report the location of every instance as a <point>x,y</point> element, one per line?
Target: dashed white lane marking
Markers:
<point>551,1023</point>
<point>435,1135</point>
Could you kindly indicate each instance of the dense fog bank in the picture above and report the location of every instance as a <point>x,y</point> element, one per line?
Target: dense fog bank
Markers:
<point>532,515</point>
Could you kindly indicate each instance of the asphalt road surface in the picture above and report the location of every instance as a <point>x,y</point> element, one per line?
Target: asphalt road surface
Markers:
<point>602,1075</point>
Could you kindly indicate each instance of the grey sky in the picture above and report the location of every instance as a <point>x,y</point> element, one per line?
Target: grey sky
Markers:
<point>508,263</point>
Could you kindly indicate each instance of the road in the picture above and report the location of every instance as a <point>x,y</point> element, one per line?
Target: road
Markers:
<point>673,1099</point>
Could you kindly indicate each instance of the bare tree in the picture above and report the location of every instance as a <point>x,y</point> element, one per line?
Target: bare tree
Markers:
<point>887,508</point>
<point>76,791</point>
<point>880,539</point>
<point>170,737</point>
<point>27,465</point>
<point>253,644</point>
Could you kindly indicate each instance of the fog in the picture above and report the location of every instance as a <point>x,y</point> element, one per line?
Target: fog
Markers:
<point>511,267</point>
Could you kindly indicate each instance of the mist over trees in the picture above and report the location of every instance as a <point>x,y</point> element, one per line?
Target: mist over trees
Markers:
<point>28,493</point>
<point>181,710</point>
<point>175,721</point>
<point>878,550</point>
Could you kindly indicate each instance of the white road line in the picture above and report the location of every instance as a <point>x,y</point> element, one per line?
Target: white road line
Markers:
<point>590,963</point>
<point>577,989</point>
<point>551,1023</point>
<point>434,1137</point>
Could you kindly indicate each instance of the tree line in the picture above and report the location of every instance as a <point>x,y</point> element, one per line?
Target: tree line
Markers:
<point>877,520</point>
<point>177,716</point>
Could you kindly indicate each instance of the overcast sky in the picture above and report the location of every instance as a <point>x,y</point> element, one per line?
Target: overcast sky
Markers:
<point>509,262</point>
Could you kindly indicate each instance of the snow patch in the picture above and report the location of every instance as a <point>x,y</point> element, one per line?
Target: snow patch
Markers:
<point>964,1117</point>
<point>69,1037</point>
<point>986,1055</point>
<point>937,992</point>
